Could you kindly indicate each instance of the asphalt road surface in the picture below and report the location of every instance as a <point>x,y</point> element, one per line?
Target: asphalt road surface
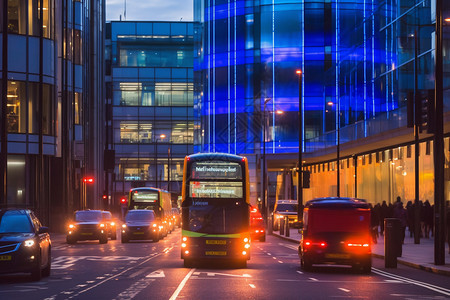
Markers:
<point>149,270</point>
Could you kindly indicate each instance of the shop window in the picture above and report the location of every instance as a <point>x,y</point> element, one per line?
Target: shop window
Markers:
<point>16,106</point>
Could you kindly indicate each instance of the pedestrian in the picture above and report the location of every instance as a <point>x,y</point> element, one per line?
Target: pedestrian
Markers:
<point>428,218</point>
<point>383,214</point>
<point>410,213</point>
<point>401,214</point>
<point>374,223</point>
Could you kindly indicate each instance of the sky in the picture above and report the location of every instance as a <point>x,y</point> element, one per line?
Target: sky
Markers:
<point>150,10</point>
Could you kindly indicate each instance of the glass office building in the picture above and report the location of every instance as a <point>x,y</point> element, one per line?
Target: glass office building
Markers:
<point>150,91</point>
<point>357,60</point>
<point>52,80</point>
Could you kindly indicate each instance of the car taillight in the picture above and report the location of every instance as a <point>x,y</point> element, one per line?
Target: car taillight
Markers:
<point>359,245</point>
<point>318,244</point>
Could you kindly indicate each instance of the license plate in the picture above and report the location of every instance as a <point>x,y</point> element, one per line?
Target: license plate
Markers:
<point>138,233</point>
<point>216,242</point>
<point>336,255</point>
<point>221,253</point>
<point>86,233</point>
<point>5,257</point>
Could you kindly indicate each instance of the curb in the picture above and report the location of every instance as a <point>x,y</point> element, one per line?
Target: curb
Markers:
<point>424,267</point>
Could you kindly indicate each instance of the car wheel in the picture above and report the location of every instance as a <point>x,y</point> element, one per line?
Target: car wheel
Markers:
<point>242,264</point>
<point>103,240</point>
<point>36,272</point>
<point>71,240</point>
<point>188,263</point>
<point>156,239</point>
<point>366,267</point>
<point>114,236</point>
<point>46,271</point>
<point>124,240</point>
<point>262,239</point>
<point>306,264</point>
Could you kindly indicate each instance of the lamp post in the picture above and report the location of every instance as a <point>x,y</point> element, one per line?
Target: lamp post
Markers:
<point>300,148</point>
<point>161,137</point>
<point>438,143</point>
<point>265,205</point>
<point>338,147</point>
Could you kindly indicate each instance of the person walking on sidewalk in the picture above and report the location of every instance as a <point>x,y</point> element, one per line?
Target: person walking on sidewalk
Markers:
<point>401,214</point>
<point>384,212</point>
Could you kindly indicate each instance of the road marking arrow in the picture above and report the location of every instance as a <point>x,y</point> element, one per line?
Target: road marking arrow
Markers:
<point>156,274</point>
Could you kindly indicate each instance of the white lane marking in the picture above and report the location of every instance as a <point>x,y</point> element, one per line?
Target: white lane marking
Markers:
<point>313,279</point>
<point>252,286</point>
<point>269,253</point>
<point>344,290</point>
<point>280,261</point>
<point>212,274</point>
<point>112,277</point>
<point>292,247</point>
<point>274,257</point>
<point>134,289</point>
<point>299,272</point>
<point>182,284</point>
<point>432,287</point>
<point>156,274</point>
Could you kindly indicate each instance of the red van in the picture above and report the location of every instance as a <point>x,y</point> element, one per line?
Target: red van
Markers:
<point>336,231</point>
<point>257,228</point>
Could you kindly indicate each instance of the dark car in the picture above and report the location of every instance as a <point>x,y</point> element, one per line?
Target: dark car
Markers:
<point>336,231</point>
<point>257,228</point>
<point>141,224</point>
<point>176,216</point>
<point>283,209</point>
<point>25,245</point>
<point>87,225</point>
<point>111,224</point>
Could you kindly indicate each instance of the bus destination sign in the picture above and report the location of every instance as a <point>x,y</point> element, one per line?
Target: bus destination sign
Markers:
<point>216,170</point>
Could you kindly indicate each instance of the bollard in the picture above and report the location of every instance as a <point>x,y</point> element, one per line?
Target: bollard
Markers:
<point>392,242</point>
<point>281,220</point>
<point>287,226</point>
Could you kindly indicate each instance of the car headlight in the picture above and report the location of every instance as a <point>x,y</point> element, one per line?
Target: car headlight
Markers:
<point>71,226</point>
<point>102,225</point>
<point>124,226</point>
<point>28,243</point>
<point>112,223</point>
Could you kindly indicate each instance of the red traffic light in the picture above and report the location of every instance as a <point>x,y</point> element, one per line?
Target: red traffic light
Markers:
<point>104,197</point>
<point>88,179</point>
<point>123,200</point>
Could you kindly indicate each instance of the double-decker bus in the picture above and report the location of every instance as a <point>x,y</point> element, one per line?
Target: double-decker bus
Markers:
<point>155,199</point>
<point>215,208</point>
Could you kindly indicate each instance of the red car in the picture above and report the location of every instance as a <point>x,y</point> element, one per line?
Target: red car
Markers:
<point>257,228</point>
<point>336,231</point>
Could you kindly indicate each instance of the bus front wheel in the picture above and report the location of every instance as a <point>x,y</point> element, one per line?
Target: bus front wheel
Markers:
<point>188,263</point>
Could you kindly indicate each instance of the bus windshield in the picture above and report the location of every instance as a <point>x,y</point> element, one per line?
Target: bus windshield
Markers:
<point>213,219</point>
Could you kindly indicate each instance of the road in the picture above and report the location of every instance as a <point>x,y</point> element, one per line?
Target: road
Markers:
<point>148,270</point>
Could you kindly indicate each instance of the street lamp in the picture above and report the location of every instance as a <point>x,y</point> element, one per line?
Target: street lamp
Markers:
<point>161,137</point>
<point>338,147</point>
<point>300,148</point>
<point>265,204</point>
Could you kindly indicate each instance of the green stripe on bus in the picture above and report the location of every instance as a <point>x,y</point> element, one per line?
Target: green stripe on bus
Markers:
<point>198,234</point>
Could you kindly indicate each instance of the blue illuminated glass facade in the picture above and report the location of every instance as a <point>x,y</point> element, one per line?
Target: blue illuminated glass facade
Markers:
<point>357,58</point>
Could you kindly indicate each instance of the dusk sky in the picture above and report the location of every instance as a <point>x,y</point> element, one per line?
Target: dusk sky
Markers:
<point>150,10</point>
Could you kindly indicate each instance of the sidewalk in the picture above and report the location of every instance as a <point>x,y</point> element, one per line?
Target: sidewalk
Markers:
<point>420,256</point>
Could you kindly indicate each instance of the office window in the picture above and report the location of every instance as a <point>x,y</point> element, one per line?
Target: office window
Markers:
<point>77,47</point>
<point>129,93</point>
<point>16,106</point>
<point>17,16</point>
<point>77,108</point>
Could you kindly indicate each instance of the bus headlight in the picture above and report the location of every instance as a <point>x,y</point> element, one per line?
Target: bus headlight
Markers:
<point>245,240</point>
<point>247,246</point>
<point>244,252</point>
<point>183,245</point>
<point>184,239</point>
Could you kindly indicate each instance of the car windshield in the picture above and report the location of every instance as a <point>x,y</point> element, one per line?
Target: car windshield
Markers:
<point>107,216</point>
<point>15,222</point>
<point>88,216</point>
<point>146,216</point>
<point>287,207</point>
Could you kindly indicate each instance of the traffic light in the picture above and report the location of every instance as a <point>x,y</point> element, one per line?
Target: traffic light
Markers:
<point>88,179</point>
<point>123,200</point>
<point>420,111</point>
<point>306,179</point>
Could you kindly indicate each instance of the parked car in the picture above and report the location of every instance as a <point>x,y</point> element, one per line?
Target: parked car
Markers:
<point>283,209</point>
<point>25,245</point>
<point>112,224</point>
<point>336,231</point>
<point>141,224</point>
<point>257,228</point>
<point>176,216</point>
<point>87,225</point>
